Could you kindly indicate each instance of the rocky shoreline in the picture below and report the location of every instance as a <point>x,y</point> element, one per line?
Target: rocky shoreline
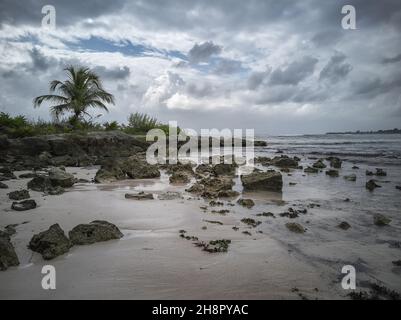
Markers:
<point>222,188</point>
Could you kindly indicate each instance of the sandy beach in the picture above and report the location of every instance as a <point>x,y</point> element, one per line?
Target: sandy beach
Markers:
<point>151,261</point>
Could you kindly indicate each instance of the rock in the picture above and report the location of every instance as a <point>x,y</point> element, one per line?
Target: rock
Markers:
<point>248,203</point>
<point>204,169</point>
<point>40,183</point>
<point>211,187</point>
<point>335,162</point>
<point>10,229</point>
<point>355,167</point>
<point>8,257</point>
<point>265,161</point>
<point>319,164</point>
<point>216,245</point>
<point>3,185</point>
<point>381,220</point>
<point>371,185</point>
<point>295,227</point>
<point>19,195</point>
<point>284,162</point>
<point>55,191</point>
<point>95,231</point>
<point>138,168</point>
<point>266,214</point>
<point>23,205</point>
<point>398,187</point>
<point>180,167</point>
<point>344,225</point>
<point>332,173</point>
<point>397,263</point>
<point>260,143</point>
<point>27,175</point>
<point>139,196</point>
<point>228,194</point>
<point>107,174</point>
<point>251,222</point>
<point>369,173</point>
<point>60,178</point>
<point>224,169</point>
<point>268,181</point>
<point>351,177</point>
<point>380,172</point>
<point>311,170</point>
<point>50,243</point>
<point>179,177</point>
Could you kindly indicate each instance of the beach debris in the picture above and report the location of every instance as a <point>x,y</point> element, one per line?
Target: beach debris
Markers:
<point>381,220</point>
<point>19,195</point>
<point>248,203</point>
<point>24,205</point>
<point>268,181</point>
<point>295,227</point>
<point>251,222</point>
<point>332,173</point>
<point>371,185</point>
<point>96,231</point>
<point>8,257</point>
<point>139,196</point>
<point>351,177</point>
<point>344,225</point>
<point>50,243</point>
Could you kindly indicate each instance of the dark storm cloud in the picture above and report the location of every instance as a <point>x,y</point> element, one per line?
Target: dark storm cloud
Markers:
<point>336,69</point>
<point>67,12</point>
<point>202,52</point>
<point>295,72</point>
<point>113,74</point>
<point>39,61</point>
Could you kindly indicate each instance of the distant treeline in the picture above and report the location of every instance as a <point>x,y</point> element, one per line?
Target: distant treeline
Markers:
<point>389,131</point>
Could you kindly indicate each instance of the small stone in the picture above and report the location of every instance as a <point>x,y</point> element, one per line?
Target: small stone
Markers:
<point>311,170</point>
<point>371,185</point>
<point>351,177</point>
<point>295,227</point>
<point>397,263</point>
<point>248,203</point>
<point>139,196</point>
<point>332,173</point>
<point>344,225</point>
<point>381,220</point>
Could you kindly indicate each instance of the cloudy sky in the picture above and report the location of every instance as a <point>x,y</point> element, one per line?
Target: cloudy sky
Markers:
<point>280,67</point>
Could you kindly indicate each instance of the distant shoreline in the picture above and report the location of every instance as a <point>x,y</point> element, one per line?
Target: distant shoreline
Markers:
<point>390,131</point>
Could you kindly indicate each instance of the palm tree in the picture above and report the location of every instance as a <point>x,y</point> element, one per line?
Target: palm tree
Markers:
<point>82,90</point>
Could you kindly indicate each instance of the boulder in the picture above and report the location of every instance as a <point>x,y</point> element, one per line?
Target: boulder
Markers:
<point>228,194</point>
<point>260,143</point>
<point>180,167</point>
<point>380,172</point>
<point>19,195</point>
<point>319,164</point>
<point>3,185</point>
<point>371,185</point>
<point>50,243</point>
<point>6,174</point>
<point>8,257</point>
<point>269,181</point>
<point>95,231</point>
<point>295,227</point>
<point>29,175</point>
<point>24,205</point>
<point>224,169</point>
<point>248,203</point>
<point>211,187</point>
<point>59,178</point>
<point>332,173</point>
<point>139,196</point>
<point>138,168</point>
<point>381,220</point>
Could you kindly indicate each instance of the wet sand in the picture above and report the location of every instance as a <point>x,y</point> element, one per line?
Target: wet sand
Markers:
<point>151,261</point>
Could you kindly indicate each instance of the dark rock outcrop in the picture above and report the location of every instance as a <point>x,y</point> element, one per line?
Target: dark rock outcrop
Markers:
<point>139,196</point>
<point>371,185</point>
<point>50,243</point>
<point>3,185</point>
<point>332,173</point>
<point>247,203</point>
<point>295,227</point>
<point>8,257</point>
<point>96,231</point>
<point>381,220</point>
<point>269,181</point>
